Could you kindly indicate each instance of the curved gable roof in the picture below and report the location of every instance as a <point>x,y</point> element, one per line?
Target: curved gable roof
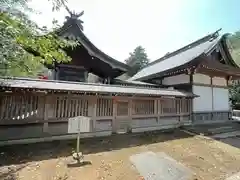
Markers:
<point>71,29</point>
<point>178,58</point>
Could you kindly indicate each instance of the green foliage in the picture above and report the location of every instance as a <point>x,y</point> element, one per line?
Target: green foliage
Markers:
<point>24,47</point>
<point>235,95</point>
<point>233,42</point>
<point>137,60</point>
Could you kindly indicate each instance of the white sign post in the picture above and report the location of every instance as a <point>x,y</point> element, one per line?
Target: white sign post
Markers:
<point>78,125</point>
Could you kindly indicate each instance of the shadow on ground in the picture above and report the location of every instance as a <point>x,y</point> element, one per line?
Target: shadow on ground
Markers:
<point>20,154</point>
<point>233,141</point>
<point>212,130</point>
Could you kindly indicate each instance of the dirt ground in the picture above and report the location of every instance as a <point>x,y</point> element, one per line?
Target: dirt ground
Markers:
<point>108,158</point>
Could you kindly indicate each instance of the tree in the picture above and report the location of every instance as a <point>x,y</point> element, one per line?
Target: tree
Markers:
<point>137,60</point>
<point>233,43</point>
<point>235,95</point>
<point>25,47</point>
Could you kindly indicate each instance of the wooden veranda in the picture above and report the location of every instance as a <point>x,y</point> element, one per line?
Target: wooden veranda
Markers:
<point>38,108</point>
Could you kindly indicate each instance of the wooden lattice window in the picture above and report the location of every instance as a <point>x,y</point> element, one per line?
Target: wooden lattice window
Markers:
<point>104,107</point>
<point>20,107</point>
<point>168,106</point>
<point>143,107</point>
<point>185,105</point>
<point>71,107</point>
<point>122,108</point>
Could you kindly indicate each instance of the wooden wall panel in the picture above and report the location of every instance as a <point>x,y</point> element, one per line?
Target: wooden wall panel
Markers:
<point>218,81</point>
<point>178,79</point>
<point>201,79</point>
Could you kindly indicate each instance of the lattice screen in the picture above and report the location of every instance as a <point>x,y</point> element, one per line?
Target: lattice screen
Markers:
<point>20,106</point>
<point>104,107</point>
<point>168,106</point>
<point>185,105</point>
<point>143,107</point>
<point>122,108</point>
<point>71,106</point>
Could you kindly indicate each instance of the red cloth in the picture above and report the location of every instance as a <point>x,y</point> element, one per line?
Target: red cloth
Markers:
<point>43,77</point>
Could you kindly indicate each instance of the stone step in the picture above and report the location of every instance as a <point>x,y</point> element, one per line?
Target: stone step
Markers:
<point>223,129</point>
<point>211,129</point>
<point>226,135</point>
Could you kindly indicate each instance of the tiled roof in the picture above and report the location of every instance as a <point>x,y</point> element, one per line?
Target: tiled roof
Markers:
<point>178,58</point>
<point>86,87</point>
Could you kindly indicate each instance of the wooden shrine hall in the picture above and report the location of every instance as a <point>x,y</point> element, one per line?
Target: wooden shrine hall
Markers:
<point>186,87</point>
<point>205,68</point>
<point>33,108</point>
<point>86,57</point>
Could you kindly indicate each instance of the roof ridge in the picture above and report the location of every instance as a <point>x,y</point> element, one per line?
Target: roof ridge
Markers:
<point>213,35</point>
<point>69,24</point>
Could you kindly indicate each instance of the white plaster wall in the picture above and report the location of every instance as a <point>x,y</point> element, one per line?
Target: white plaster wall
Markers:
<point>92,78</point>
<point>204,101</point>
<point>201,78</point>
<point>219,81</point>
<point>179,79</point>
<point>221,99</point>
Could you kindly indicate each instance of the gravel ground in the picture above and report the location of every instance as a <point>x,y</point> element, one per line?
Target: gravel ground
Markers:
<point>109,157</point>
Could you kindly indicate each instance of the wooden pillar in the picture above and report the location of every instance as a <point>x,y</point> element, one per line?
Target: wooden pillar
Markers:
<point>156,111</point>
<point>92,110</point>
<point>212,92</point>
<point>155,106</point>
<point>159,109</point>
<point>180,105</point>
<point>212,115</point>
<point>191,110</point>
<point>2,105</point>
<point>114,119</point>
<point>130,114</point>
<point>41,106</point>
<point>46,113</point>
<point>182,102</point>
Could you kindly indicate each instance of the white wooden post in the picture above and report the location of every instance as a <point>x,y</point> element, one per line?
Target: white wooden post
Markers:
<point>77,125</point>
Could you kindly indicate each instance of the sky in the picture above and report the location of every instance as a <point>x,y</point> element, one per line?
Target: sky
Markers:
<point>116,27</point>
